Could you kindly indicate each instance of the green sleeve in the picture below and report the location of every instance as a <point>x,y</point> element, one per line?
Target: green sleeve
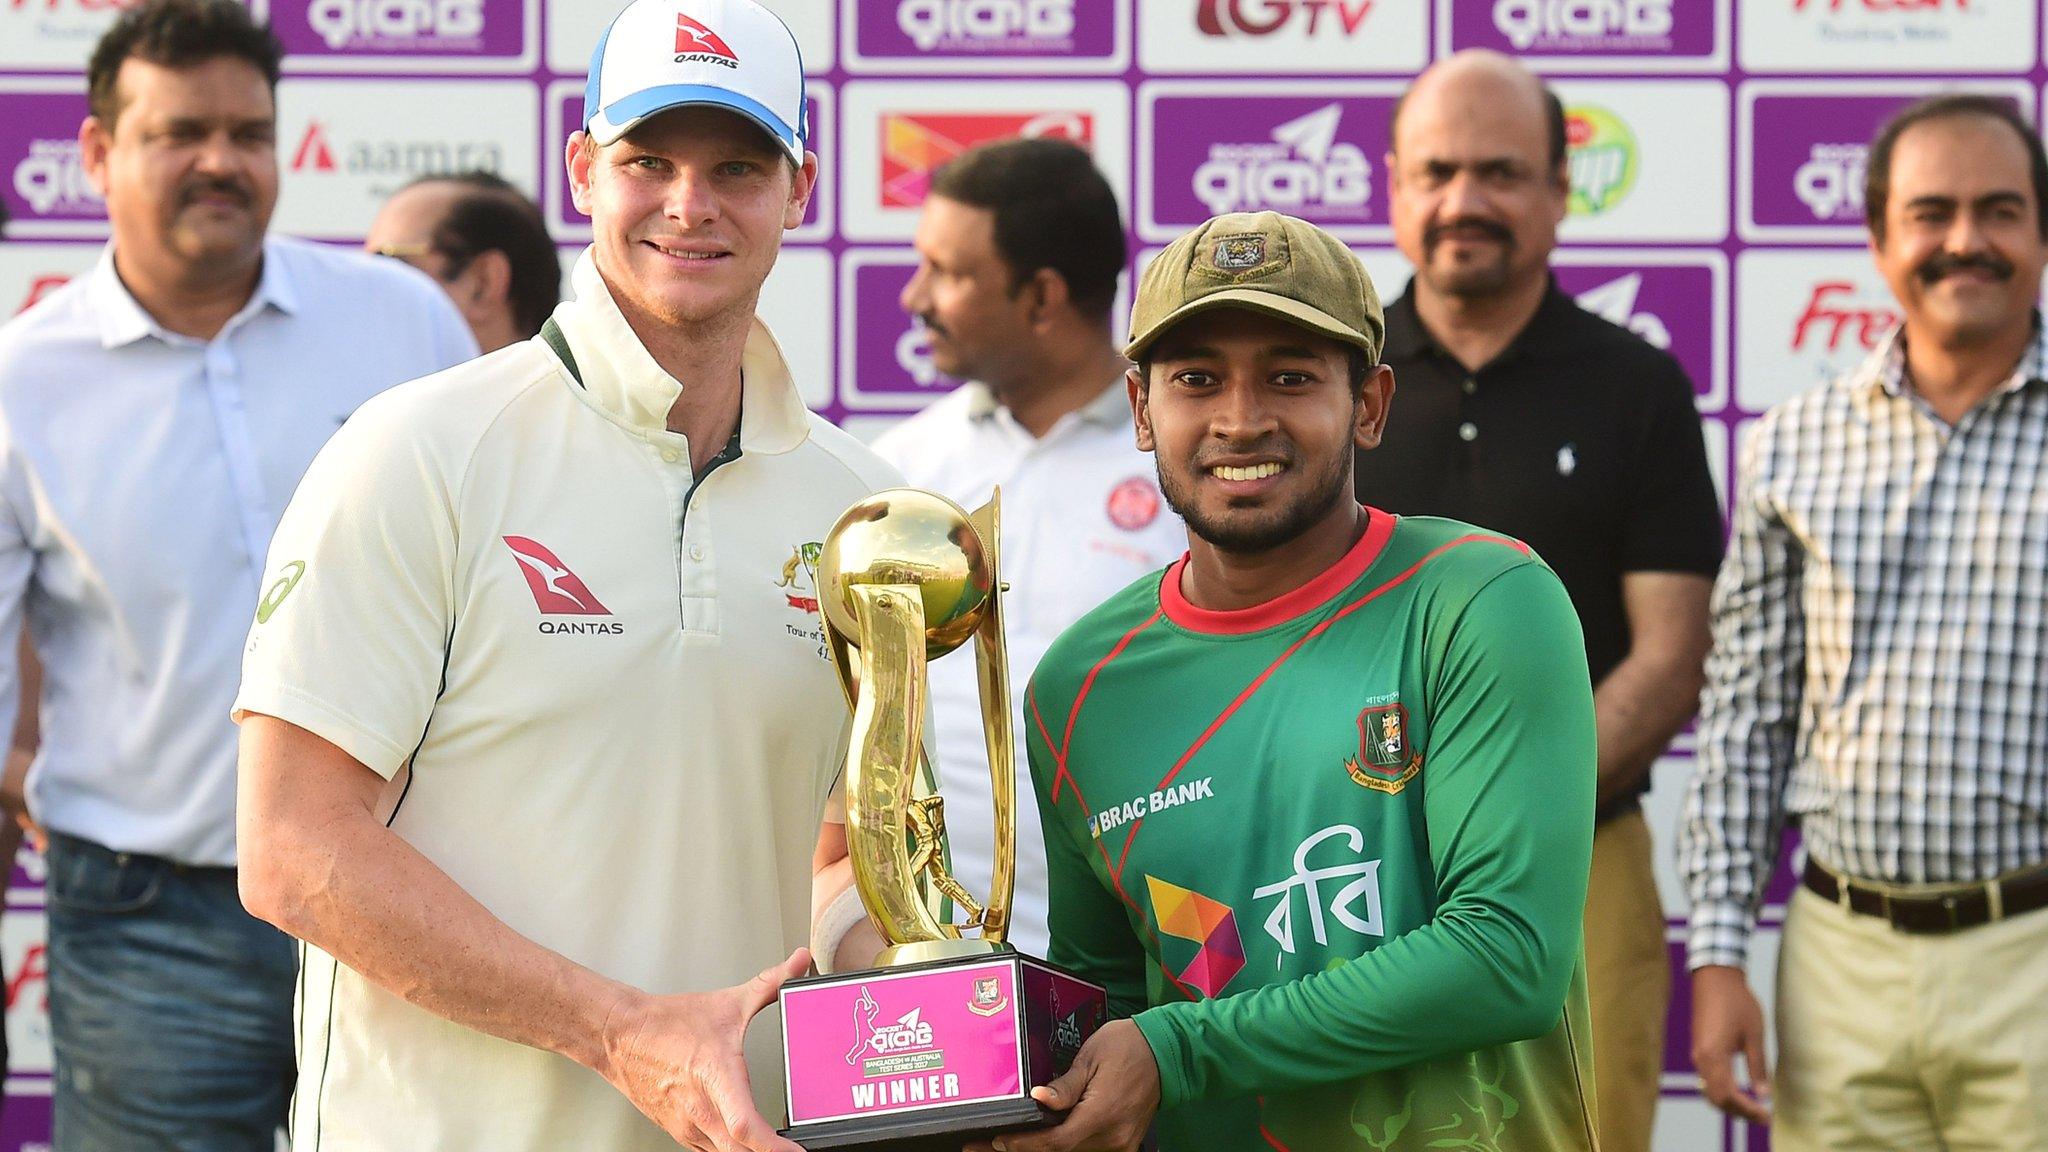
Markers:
<point>1091,933</point>
<point>1508,805</point>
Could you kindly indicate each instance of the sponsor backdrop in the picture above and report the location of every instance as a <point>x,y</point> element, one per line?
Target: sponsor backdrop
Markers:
<point>1717,156</point>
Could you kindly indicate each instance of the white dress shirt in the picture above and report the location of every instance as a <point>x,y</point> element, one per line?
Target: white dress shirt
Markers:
<point>1082,518</point>
<point>141,475</point>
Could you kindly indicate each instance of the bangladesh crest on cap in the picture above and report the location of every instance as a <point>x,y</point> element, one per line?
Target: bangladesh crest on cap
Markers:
<point>1385,760</point>
<point>1237,253</point>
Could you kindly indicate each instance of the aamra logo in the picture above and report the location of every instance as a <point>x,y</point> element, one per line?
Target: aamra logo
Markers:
<point>1583,25</point>
<point>1615,302</point>
<point>1355,906</point>
<point>287,579</point>
<point>1302,170</point>
<point>1830,183</point>
<point>401,160</point>
<point>799,581</point>
<point>314,153</point>
<point>1601,158</point>
<point>1385,761</point>
<point>988,25</point>
<point>696,44</point>
<point>556,590</point>
<point>399,24</point>
<point>1189,915</point>
<point>1265,17</point>
<point>51,178</point>
<point>917,144</point>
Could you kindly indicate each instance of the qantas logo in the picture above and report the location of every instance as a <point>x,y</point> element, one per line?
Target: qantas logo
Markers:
<point>556,590</point>
<point>696,44</point>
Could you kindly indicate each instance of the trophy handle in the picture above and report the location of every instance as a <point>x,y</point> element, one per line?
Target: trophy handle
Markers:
<point>885,752</point>
<point>992,663</point>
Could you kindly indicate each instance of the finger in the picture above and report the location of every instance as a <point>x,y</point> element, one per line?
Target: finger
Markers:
<point>762,989</point>
<point>730,1096</point>
<point>1064,1091</point>
<point>1757,1064</point>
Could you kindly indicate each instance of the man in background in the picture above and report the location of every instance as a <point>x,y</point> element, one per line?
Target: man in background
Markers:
<point>1019,248</point>
<point>484,242</point>
<point>1525,413</point>
<point>1880,642</point>
<point>155,414</point>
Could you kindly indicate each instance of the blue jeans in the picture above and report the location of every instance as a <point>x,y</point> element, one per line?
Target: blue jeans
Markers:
<point>170,1007</point>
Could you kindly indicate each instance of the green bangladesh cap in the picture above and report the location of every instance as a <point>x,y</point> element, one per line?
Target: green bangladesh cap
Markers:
<point>1286,268</point>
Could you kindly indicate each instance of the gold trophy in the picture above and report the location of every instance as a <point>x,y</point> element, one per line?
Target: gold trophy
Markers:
<point>950,1034</point>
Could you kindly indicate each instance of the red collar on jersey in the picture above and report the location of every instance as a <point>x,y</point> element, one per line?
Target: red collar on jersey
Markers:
<point>1379,528</point>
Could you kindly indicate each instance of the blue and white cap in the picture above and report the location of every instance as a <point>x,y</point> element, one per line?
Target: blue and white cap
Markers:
<point>662,54</point>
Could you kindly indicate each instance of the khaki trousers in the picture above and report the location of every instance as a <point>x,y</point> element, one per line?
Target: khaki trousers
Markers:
<point>1889,1040</point>
<point>1628,983</point>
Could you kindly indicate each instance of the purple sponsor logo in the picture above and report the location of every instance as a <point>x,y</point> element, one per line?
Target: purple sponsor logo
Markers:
<point>1670,307</point>
<point>1585,27</point>
<point>977,28</point>
<point>892,349</point>
<point>400,27</point>
<point>1808,156</point>
<point>45,176</point>
<point>1304,156</point>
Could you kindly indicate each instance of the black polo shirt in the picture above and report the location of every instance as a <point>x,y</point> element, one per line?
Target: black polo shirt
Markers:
<point>1579,439</point>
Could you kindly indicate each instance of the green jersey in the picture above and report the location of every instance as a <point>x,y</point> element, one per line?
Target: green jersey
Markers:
<point>1331,852</point>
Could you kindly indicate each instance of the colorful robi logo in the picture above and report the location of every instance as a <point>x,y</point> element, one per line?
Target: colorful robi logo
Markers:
<point>1193,916</point>
<point>1601,158</point>
<point>915,145</point>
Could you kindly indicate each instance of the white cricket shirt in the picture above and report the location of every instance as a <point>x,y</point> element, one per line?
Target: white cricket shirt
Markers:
<point>598,688</point>
<point>1082,518</point>
<point>141,474</point>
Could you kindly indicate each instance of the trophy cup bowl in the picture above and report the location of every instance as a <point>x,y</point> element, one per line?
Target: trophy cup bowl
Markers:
<point>943,1042</point>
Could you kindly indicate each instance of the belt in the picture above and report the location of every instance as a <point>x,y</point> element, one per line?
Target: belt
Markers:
<point>1939,910</point>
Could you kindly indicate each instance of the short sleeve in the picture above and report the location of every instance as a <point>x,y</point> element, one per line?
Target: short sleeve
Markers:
<point>351,634</point>
<point>1673,519</point>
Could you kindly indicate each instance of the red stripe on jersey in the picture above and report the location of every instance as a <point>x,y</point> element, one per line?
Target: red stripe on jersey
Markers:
<point>1379,528</point>
<point>1088,681</point>
<point>1260,680</point>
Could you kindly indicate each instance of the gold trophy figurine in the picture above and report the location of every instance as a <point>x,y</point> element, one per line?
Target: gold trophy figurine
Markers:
<point>950,1034</point>
<point>906,576</point>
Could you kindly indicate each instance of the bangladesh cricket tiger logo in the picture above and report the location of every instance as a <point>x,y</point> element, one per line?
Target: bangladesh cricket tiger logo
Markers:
<point>1385,760</point>
<point>799,581</point>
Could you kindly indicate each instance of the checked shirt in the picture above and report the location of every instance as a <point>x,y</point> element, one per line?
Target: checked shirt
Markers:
<point>1880,643</point>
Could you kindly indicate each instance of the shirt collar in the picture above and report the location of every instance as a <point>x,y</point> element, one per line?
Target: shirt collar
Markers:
<point>1110,408</point>
<point>123,320</point>
<point>1884,370</point>
<point>1542,336</point>
<point>622,377</point>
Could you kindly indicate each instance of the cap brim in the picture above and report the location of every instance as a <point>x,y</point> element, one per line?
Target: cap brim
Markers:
<point>1279,307</point>
<point>627,112</point>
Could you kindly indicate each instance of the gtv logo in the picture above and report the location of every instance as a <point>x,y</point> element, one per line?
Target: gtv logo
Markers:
<point>1264,17</point>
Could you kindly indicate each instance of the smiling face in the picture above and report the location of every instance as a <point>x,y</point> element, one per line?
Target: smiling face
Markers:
<point>1253,422</point>
<point>687,212</point>
<point>1962,247</point>
<point>189,165</point>
<point>1474,200</point>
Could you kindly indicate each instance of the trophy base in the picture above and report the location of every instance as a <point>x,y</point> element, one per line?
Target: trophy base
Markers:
<point>929,1055</point>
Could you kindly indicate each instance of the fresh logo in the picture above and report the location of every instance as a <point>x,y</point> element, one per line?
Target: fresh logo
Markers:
<point>1235,18</point>
<point>1832,316</point>
<point>556,590</point>
<point>1355,906</point>
<point>917,144</point>
<point>287,579</point>
<point>1615,302</point>
<point>1601,158</point>
<point>987,25</point>
<point>1302,169</point>
<point>1385,762</point>
<point>800,576</point>
<point>1212,925</point>
<point>52,179</point>
<point>408,24</point>
<point>696,44</point>
<point>1830,183</point>
<point>1576,25</point>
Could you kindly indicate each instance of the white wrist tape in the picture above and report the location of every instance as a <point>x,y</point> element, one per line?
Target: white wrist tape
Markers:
<point>840,917</point>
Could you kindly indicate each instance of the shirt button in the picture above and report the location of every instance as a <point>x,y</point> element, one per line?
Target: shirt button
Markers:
<point>697,552</point>
<point>669,454</point>
<point>1471,386</point>
<point>1468,431</point>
